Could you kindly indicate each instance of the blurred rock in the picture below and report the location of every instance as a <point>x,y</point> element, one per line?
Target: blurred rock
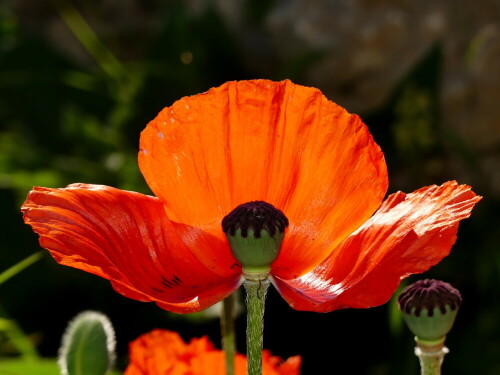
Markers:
<point>367,46</point>
<point>471,105</point>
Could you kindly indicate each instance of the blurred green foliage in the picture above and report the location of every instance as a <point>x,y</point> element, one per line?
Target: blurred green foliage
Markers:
<point>76,117</point>
<point>23,367</point>
<point>39,367</point>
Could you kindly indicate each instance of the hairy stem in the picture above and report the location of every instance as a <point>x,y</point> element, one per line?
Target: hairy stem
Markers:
<point>430,356</point>
<point>255,299</point>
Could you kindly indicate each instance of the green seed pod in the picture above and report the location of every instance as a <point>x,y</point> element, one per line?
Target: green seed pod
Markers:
<point>429,308</point>
<point>255,231</point>
<point>88,345</point>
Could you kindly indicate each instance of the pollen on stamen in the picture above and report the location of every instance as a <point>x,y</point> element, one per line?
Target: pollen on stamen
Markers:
<point>172,120</point>
<point>160,135</point>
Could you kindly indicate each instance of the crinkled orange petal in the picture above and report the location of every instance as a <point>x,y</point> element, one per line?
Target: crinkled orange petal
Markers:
<point>274,141</point>
<point>162,352</point>
<point>408,234</point>
<point>215,361</point>
<point>273,365</point>
<point>156,352</point>
<point>127,238</point>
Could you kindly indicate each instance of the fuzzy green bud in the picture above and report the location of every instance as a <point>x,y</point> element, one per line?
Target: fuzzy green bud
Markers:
<point>88,345</point>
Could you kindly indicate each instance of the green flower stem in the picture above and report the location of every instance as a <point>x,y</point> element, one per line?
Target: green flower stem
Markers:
<point>431,355</point>
<point>18,267</point>
<point>256,296</point>
<point>89,39</point>
<point>228,332</point>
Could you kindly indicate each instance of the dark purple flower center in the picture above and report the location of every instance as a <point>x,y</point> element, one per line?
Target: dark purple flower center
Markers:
<point>255,215</point>
<point>429,294</point>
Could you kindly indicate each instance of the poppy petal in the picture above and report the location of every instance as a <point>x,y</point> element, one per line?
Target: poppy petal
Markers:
<point>273,141</point>
<point>408,234</point>
<point>127,238</point>
<point>162,352</point>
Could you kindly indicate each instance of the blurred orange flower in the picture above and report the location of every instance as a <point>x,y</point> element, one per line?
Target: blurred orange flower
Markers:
<point>243,141</point>
<point>162,352</point>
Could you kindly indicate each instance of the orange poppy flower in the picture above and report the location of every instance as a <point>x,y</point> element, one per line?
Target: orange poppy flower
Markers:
<point>162,352</point>
<point>243,141</point>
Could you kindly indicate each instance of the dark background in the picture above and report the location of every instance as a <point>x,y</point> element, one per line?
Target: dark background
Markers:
<point>424,77</point>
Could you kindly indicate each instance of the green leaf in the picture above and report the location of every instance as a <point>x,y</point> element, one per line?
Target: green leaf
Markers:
<point>24,367</point>
<point>18,339</point>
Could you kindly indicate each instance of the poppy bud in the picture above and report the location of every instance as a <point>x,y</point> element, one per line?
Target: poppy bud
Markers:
<point>88,345</point>
<point>429,308</point>
<point>255,231</point>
